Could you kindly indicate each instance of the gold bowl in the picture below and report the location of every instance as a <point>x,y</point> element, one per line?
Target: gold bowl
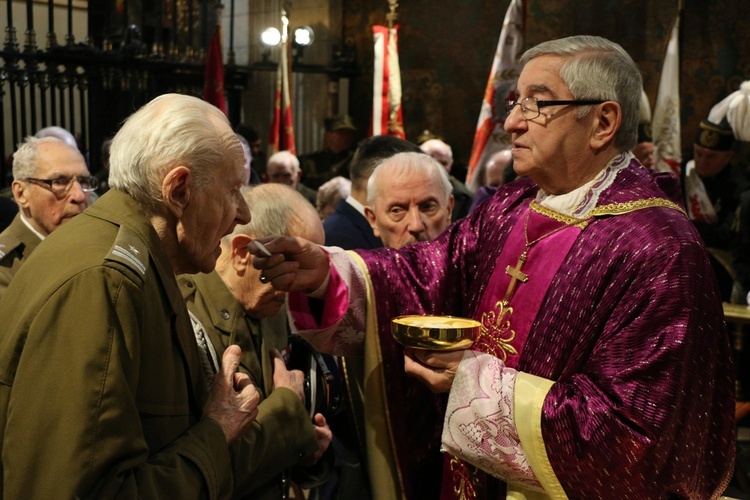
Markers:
<point>438,333</point>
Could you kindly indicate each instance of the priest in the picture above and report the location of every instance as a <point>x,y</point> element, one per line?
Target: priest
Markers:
<point>603,367</point>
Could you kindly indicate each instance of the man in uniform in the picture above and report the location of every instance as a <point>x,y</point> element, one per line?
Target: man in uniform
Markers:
<point>231,306</point>
<point>102,393</point>
<point>334,158</point>
<point>51,185</point>
<point>602,366</point>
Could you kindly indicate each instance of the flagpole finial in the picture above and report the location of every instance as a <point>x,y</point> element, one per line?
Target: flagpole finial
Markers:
<point>392,16</point>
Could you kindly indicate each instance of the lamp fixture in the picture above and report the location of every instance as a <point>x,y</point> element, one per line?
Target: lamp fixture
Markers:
<point>304,36</point>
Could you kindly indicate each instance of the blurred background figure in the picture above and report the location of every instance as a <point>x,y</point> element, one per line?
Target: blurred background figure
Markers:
<point>644,148</point>
<point>256,148</point>
<point>59,133</point>
<point>283,168</point>
<point>338,148</point>
<point>251,177</point>
<point>329,194</point>
<point>443,153</point>
<point>497,171</point>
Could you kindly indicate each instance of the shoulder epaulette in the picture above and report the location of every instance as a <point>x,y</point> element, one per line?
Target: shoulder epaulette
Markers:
<point>130,251</point>
<point>8,244</point>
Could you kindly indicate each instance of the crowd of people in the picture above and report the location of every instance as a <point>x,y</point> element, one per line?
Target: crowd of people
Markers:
<point>155,314</point>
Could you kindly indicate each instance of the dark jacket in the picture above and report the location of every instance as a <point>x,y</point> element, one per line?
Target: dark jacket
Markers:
<point>349,229</point>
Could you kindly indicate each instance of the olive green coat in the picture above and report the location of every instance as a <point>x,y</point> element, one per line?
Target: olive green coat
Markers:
<point>16,244</point>
<point>283,431</point>
<point>101,388</point>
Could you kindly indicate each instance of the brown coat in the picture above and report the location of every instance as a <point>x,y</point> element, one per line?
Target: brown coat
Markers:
<point>16,244</point>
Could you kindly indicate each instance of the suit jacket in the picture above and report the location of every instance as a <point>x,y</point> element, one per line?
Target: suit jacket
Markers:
<point>349,229</point>
<point>462,199</point>
<point>16,244</point>
<point>283,431</point>
<point>99,364</point>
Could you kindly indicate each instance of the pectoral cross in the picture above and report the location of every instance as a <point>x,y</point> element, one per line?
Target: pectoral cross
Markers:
<point>516,276</point>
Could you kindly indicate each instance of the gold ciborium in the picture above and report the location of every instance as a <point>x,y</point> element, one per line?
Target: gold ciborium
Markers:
<point>437,333</point>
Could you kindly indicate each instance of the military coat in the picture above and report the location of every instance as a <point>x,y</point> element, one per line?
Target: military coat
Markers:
<point>16,244</point>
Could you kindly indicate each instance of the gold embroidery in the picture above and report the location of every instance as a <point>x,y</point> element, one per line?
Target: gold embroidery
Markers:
<point>464,479</point>
<point>565,219</point>
<point>632,206</point>
<point>496,335</point>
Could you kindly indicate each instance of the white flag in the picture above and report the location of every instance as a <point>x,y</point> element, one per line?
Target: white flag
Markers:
<point>666,123</point>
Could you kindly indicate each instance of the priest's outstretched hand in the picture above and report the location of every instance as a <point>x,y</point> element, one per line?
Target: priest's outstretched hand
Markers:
<point>290,264</point>
<point>436,369</point>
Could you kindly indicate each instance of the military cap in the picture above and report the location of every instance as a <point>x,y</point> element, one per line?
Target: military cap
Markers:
<point>341,122</point>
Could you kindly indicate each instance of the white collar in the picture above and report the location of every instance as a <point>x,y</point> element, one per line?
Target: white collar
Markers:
<point>356,204</point>
<point>31,228</point>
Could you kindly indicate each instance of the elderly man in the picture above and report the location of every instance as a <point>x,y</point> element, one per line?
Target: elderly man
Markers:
<point>347,227</point>
<point>102,389</point>
<point>409,199</point>
<point>443,153</point>
<point>283,168</point>
<point>602,368</point>
<point>233,307</point>
<point>51,185</point>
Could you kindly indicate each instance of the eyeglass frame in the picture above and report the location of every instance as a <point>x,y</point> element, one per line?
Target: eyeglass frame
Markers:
<point>509,105</point>
<point>92,182</point>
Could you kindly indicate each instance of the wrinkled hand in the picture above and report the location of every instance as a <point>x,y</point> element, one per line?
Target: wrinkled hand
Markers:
<point>291,379</point>
<point>295,264</point>
<point>232,399</point>
<point>324,435</point>
<point>436,369</point>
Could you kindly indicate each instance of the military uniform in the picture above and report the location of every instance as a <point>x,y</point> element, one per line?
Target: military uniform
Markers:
<point>16,244</point>
<point>101,388</point>
<point>310,194</point>
<point>322,166</point>
<point>283,431</point>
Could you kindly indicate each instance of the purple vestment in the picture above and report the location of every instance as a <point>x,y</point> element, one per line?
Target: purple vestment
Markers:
<point>630,329</point>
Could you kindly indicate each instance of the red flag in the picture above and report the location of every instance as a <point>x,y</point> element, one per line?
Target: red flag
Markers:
<point>282,128</point>
<point>387,116</point>
<point>213,86</point>
<point>490,135</point>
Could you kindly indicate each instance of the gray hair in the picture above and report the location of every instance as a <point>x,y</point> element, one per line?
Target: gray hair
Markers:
<point>169,131</point>
<point>275,209</point>
<point>284,157</point>
<point>403,162</point>
<point>597,68</point>
<point>27,155</point>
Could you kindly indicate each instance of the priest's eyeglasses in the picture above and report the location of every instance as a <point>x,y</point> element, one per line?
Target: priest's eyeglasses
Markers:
<point>62,185</point>
<point>531,106</point>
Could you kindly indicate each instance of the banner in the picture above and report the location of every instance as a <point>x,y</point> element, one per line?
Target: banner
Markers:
<point>490,137</point>
<point>387,116</point>
<point>213,83</point>
<point>282,128</point>
<point>665,125</point>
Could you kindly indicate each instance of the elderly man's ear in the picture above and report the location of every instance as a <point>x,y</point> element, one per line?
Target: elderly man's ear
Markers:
<point>241,258</point>
<point>607,123</point>
<point>176,190</point>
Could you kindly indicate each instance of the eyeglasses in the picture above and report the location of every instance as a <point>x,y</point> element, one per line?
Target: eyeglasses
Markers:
<point>531,106</point>
<point>62,185</point>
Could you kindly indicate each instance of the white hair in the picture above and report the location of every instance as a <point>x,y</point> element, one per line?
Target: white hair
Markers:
<point>284,158</point>
<point>27,155</point>
<point>402,163</point>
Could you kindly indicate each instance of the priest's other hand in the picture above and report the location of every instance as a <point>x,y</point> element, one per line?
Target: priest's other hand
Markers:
<point>295,264</point>
<point>436,369</point>
<point>232,399</point>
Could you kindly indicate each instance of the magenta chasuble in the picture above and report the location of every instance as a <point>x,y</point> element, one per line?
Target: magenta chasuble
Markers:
<point>620,312</point>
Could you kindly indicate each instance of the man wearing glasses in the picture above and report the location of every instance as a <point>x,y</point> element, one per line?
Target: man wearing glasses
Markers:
<point>51,185</point>
<point>602,366</point>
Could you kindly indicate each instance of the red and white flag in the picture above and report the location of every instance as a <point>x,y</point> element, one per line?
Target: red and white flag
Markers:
<point>490,136</point>
<point>282,127</point>
<point>213,83</point>
<point>387,117</point>
<point>665,126</point>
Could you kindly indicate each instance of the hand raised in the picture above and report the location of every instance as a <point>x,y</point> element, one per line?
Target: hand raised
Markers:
<point>291,379</point>
<point>295,264</point>
<point>232,399</point>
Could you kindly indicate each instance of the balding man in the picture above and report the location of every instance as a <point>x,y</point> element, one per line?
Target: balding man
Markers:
<point>51,185</point>
<point>283,168</point>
